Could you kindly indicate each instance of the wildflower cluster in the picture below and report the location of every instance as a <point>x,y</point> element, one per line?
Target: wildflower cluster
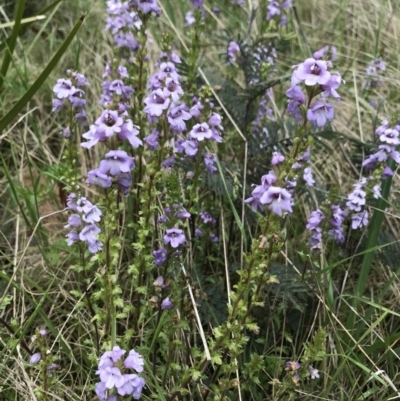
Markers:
<point>70,96</point>
<point>83,223</point>
<point>116,375</point>
<point>315,74</point>
<point>275,9</point>
<point>292,367</point>
<point>373,79</point>
<point>278,199</point>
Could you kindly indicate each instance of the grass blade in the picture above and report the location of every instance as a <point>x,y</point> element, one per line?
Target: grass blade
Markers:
<point>19,12</point>
<point>42,77</point>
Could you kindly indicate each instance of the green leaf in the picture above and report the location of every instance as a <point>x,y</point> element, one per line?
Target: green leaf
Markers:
<point>19,11</point>
<point>41,79</point>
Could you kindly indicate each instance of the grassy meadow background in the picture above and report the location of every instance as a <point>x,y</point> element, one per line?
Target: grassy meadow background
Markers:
<point>357,304</point>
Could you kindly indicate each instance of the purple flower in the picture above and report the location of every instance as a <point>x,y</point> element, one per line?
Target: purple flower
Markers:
<point>35,358</point>
<point>95,246</point>
<point>359,220</point>
<point>177,117</point>
<point>190,147</point>
<point>89,233</point>
<point>312,72</point>
<point>57,105</point>
<point>83,205</point>
<point>116,162</point>
<point>207,218</point>
<point>357,198</point>
<point>109,122</point>
<point>214,238</point>
<point>96,177</point>
<point>73,221</point>
<point>124,182</point>
<point>233,50</point>
<point>169,163</point>
<point>268,179</point>
<point>336,223</point>
<point>129,132</point>
<point>314,373</point>
<point>315,220</point>
<point>319,112</point>
<point>329,89</point>
<point>76,98</point>
<point>189,18</point>
<point>148,6</point>
<point>174,237</point>
<point>197,3</point>
<point>209,161</point>
<point>167,304</point>
<point>156,103</point>
<point>72,237</point>
<point>277,158</point>
<point>257,193</point>
<point>182,213</point>
<point>92,216</point>
<point>112,377</point>
<point>278,199</point>
<point>198,232</point>
<point>201,132</point>
<point>292,366</point>
<point>308,176</point>
<point>160,256</point>
<point>151,140</point>
<point>390,136</point>
<point>159,281</point>
<point>63,88</point>
<point>95,135</point>
<point>173,89</point>
<point>66,133</point>
<point>134,361</point>
<point>298,98</point>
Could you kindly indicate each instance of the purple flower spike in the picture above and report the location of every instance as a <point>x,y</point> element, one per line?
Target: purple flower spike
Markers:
<point>174,237</point>
<point>312,72</point>
<point>320,112</point>
<point>167,304</point>
<point>278,199</point>
<point>116,162</point>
